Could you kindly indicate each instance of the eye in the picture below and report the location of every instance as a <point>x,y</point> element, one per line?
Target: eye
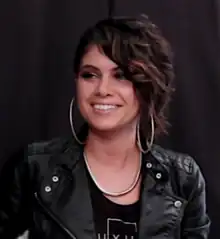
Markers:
<point>120,75</point>
<point>88,75</point>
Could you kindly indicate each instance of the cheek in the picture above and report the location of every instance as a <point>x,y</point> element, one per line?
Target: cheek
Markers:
<point>136,105</point>
<point>133,100</point>
<point>83,94</point>
<point>82,91</point>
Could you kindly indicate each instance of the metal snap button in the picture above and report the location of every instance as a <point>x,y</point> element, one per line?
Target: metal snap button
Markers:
<point>55,179</point>
<point>47,189</point>
<point>158,175</point>
<point>149,165</point>
<point>178,204</point>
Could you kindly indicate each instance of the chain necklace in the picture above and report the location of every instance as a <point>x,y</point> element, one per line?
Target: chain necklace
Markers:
<point>114,194</point>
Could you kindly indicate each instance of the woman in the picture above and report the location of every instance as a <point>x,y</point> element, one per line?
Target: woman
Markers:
<point>110,180</point>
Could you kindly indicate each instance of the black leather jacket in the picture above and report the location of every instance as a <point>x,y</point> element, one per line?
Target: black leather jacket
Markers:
<point>45,190</point>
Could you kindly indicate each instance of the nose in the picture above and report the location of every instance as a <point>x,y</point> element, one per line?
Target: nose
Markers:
<point>103,87</point>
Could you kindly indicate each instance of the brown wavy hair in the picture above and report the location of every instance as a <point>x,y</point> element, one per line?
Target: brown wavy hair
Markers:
<point>138,47</point>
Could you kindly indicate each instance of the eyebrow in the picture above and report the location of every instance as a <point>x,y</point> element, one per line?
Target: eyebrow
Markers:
<point>96,68</point>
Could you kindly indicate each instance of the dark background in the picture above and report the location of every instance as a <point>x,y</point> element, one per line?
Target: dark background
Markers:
<point>37,42</point>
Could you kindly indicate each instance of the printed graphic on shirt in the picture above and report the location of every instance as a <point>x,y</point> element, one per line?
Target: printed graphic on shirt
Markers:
<point>118,229</point>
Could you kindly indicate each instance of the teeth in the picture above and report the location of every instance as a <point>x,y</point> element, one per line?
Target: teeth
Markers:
<point>104,107</point>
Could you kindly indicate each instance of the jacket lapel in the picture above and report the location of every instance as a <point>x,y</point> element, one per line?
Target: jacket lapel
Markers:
<point>69,202</point>
<point>77,214</point>
<point>161,210</point>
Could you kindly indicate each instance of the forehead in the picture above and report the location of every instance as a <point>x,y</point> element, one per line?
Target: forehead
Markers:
<point>95,57</point>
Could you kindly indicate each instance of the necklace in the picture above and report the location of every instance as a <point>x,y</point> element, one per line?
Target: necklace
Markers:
<point>114,194</point>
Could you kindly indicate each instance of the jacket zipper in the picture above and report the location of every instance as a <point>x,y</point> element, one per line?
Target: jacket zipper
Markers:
<point>54,218</point>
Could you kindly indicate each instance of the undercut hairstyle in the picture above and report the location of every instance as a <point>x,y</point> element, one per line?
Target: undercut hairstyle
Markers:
<point>138,47</point>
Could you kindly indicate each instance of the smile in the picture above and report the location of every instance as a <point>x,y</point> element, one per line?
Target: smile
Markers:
<point>104,106</point>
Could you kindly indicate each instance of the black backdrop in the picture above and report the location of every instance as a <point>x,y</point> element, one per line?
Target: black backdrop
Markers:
<point>37,41</point>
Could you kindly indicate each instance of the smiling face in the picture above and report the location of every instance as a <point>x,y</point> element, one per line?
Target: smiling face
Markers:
<point>106,100</point>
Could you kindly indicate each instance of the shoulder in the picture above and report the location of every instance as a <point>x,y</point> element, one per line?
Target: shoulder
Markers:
<point>54,152</point>
<point>170,158</point>
<point>40,153</point>
<point>51,146</point>
<point>183,171</point>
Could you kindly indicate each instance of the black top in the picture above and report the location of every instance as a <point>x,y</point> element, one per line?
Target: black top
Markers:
<point>112,220</point>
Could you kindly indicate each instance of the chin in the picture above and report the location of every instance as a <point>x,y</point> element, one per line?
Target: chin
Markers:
<point>105,127</point>
<point>110,125</point>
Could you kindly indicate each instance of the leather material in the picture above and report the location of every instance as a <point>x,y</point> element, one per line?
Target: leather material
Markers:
<point>173,196</point>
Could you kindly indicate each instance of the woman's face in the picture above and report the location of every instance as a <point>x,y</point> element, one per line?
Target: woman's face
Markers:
<point>107,101</point>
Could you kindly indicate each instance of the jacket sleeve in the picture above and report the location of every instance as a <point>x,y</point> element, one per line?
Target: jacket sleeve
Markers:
<point>14,196</point>
<point>196,222</point>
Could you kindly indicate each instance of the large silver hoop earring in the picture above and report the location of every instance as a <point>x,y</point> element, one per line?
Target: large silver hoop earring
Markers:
<point>71,121</point>
<point>148,143</point>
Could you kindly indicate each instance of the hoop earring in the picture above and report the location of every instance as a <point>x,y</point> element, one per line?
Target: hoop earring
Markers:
<point>71,121</point>
<point>148,143</point>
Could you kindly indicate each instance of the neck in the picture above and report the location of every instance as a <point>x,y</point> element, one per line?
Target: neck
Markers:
<point>112,148</point>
